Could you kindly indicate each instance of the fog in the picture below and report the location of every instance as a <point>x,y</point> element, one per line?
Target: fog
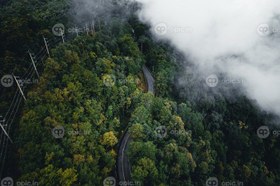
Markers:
<point>84,11</point>
<point>235,37</point>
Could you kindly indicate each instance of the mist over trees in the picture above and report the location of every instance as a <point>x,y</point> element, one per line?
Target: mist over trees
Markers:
<point>93,86</point>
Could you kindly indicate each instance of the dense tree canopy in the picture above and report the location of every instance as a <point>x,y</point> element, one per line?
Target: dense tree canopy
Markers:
<point>93,88</point>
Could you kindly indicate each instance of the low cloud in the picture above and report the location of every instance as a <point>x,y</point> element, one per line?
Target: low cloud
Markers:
<point>235,37</point>
<point>95,10</point>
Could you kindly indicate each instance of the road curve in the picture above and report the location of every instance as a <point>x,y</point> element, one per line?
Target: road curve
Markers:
<point>149,79</point>
<point>124,168</point>
<point>123,161</point>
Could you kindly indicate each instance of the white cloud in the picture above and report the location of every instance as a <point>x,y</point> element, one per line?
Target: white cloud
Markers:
<point>208,31</point>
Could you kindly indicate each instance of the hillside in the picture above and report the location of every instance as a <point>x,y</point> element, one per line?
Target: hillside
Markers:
<point>91,91</point>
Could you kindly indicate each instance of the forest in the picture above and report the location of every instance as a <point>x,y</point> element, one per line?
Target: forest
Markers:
<point>93,86</point>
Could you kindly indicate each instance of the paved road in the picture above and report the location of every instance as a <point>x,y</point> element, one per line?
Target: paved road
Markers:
<point>124,168</point>
<point>123,161</point>
<point>149,79</point>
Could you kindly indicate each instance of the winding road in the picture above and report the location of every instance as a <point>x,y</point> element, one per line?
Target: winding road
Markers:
<point>149,79</point>
<point>124,168</point>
